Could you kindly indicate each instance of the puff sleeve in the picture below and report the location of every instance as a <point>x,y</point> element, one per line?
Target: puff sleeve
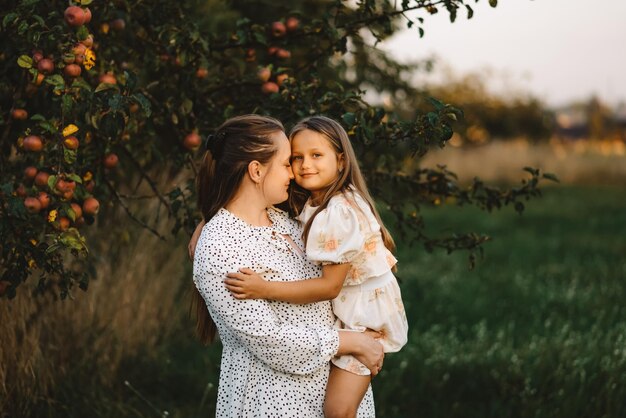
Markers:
<point>335,236</point>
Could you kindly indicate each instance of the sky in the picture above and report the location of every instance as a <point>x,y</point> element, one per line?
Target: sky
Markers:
<point>557,50</point>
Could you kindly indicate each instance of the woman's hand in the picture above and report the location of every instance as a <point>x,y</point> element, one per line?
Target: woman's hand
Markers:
<point>364,347</point>
<point>191,247</point>
<point>246,284</point>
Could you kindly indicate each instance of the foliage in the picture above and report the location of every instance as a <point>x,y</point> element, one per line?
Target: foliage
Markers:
<point>151,75</point>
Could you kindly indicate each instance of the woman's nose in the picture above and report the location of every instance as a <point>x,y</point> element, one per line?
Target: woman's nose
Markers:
<point>291,176</point>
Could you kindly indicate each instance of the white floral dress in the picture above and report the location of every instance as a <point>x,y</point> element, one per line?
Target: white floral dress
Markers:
<point>275,358</point>
<point>346,231</point>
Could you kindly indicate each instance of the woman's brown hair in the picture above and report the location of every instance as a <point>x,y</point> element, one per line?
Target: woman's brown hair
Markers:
<point>349,176</point>
<point>236,143</point>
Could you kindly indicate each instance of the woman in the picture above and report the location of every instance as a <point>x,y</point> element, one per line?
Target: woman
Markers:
<point>275,358</point>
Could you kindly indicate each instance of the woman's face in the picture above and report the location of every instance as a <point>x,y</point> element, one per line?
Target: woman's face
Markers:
<point>279,174</point>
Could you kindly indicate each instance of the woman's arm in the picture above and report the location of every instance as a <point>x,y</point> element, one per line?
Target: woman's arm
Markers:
<point>246,284</point>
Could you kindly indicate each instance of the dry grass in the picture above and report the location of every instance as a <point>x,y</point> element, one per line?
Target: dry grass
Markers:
<point>574,162</point>
<point>130,308</point>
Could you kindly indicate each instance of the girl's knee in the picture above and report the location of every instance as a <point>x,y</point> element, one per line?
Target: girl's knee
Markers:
<point>339,410</point>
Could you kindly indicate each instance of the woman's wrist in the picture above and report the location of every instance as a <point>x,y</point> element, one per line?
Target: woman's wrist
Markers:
<point>350,342</point>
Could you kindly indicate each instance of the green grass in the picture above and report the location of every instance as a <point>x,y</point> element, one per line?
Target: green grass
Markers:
<point>537,329</point>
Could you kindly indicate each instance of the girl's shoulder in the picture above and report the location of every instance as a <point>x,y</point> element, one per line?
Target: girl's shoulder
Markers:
<point>351,200</point>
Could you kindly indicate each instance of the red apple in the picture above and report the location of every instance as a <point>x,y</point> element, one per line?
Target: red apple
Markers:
<point>71,142</point>
<point>41,179</point>
<point>37,55</point>
<point>77,210</point>
<point>45,66</point>
<point>44,199</point>
<point>283,53</point>
<point>269,87</point>
<point>21,190</point>
<point>278,29</point>
<point>272,50</point>
<point>79,49</point>
<point>292,24</point>
<point>87,16</point>
<point>30,173</point>
<point>118,24</point>
<point>108,78</point>
<point>33,205</point>
<point>280,78</point>
<point>19,114</point>
<point>33,143</point>
<point>111,160</point>
<point>91,206</point>
<point>75,16</point>
<point>202,72</point>
<point>72,70</point>
<point>192,141</point>
<point>88,42</point>
<point>64,223</point>
<point>264,74</point>
<point>250,55</point>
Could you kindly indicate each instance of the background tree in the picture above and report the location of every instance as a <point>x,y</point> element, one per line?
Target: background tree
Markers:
<point>98,98</point>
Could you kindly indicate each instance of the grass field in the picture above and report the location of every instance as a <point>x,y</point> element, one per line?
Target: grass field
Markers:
<point>537,329</point>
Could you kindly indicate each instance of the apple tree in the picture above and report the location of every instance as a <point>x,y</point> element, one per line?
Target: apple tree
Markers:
<point>98,97</point>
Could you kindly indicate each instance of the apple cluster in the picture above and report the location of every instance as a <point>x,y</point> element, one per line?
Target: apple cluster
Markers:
<point>63,198</point>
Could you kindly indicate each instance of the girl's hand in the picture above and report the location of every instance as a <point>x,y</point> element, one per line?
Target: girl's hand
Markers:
<point>246,284</point>
<point>191,247</point>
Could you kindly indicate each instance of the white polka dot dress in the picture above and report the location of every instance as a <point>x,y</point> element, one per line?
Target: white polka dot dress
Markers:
<point>275,358</point>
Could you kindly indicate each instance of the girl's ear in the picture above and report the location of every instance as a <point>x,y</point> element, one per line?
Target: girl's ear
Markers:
<point>341,161</point>
<point>255,171</point>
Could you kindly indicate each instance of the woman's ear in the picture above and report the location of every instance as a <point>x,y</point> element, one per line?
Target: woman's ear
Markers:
<point>255,171</point>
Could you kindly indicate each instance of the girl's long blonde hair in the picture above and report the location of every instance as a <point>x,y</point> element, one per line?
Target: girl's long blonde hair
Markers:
<point>349,176</point>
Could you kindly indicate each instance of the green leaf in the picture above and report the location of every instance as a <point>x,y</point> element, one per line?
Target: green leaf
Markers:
<point>551,176</point>
<point>348,118</point>
<point>421,31</point>
<point>85,2</point>
<point>144,103</point>
<point>56,80</point>
<point>52,181</point>
<point>71,214</point>
<point>493,3</point>
<point>186,106</point>
<point>470,11</point>
<point>69,155</point>
<point>25,61</point>
<point>105,86</point>
<point>47,126</point>
<point>39,20</point>
<point>75,177</point>
<point>81,83</point>
<point>37,117</point>
<point>9,18</point>
<point>82,33</point>
<point>66,104</point>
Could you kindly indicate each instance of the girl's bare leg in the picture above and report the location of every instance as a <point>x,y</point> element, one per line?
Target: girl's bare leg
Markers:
<point>344,393</point>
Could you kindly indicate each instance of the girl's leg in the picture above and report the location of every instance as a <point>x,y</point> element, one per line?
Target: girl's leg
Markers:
<point>344,393</point>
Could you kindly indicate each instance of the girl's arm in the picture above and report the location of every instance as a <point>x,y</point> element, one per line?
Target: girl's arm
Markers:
<point>277,343</point>
<point>246,284</point>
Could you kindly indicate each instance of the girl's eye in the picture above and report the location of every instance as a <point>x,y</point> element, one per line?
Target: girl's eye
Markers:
<point>296,158</point>
<point>317,155</point>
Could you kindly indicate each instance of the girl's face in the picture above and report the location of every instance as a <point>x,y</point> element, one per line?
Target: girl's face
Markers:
<point>278,176</point>
<point>315,162</point>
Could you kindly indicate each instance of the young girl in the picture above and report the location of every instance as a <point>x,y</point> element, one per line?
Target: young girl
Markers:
<point>344,233</point>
